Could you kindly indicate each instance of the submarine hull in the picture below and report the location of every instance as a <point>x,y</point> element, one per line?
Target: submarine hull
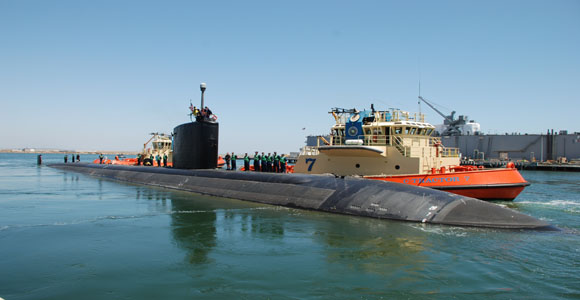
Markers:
<point>352,196</point>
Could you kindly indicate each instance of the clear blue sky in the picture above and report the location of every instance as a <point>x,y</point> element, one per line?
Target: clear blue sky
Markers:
<point>101,75</point>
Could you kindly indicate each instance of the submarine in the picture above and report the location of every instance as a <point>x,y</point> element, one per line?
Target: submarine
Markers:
<point>195,170</point>
<point>348,195</point>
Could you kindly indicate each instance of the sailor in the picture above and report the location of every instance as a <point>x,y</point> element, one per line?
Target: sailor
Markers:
<point>196,113</point>
<point>276,159</point>
<point>101,158</point>
<point>234,159</point>
<point>282,164</point>
<point>72,157</point>
<point>264,163</point>
<point>152,159</point>
<point>272,163</point>
<point>158,159</point>
<point>66,159</point>
<point>139,159</point>
<point>165,160</point>
<point>78,158</point>
<point>256,162</point>
<point>269,163</point>
<point>228,159</point>
<point>246,162</point>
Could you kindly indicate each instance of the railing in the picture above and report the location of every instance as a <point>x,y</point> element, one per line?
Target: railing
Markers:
<point>413,148</point>
<point>368,140</point>
<point>450,152</point>
<point>400,115</point>
<point>336,140</point>
<point>445,152</point>
<point>309,150</point>
<point>398,143</point>
<point>377,140</point>
<point>394,115</point>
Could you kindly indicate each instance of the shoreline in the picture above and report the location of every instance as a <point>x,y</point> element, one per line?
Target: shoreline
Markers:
<point>56,151</point>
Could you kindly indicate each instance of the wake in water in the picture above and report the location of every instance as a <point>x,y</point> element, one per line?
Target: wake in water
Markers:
<point>567,206</point>
<point>553,203</point>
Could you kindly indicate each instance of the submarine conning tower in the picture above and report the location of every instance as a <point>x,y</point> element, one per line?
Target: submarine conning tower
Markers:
<point>195,144</point>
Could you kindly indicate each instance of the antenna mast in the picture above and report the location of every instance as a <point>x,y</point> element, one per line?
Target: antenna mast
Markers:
<point>419,100</point>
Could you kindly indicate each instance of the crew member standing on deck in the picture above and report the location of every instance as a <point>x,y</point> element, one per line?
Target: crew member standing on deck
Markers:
<point>276,161</point>
<point>264,163</point>
<point>101,158</point>
<point>139,159</point>
<point>246,162</point>
<point>228,159</point>
<point>256,162</point>
<point>282,164</point>
<point>165,160</point>
<point>72,157</point>
<point>234,159</point>
<point>66,158</point>
<point>78,157</point>
<point>158,159</point>
<point>269,162</point>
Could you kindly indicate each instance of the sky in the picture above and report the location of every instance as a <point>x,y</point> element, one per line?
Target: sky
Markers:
<point>102,75</point>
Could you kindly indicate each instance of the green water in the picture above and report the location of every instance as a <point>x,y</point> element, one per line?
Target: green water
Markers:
<point>69,236</point>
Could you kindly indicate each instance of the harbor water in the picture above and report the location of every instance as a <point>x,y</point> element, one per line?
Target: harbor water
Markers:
<point>65,235</point>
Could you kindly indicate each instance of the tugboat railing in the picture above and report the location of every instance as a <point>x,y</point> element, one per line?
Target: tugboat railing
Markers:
<point>445,152</point>
<point>450,152</point>
<point>309,150</point>
<point>398,143</point>
<point>384,140</point>
<point>377,140</point>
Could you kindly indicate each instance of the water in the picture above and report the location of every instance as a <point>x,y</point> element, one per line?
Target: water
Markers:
<point>70,236</point>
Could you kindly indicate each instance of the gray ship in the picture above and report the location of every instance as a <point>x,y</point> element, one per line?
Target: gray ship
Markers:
<point>473,144</point>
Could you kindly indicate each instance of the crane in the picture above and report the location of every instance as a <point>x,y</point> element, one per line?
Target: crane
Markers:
<point>452,124</point>
<point>153,135</point>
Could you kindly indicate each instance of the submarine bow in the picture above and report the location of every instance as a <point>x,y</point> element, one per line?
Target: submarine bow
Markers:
<point>351,196</point>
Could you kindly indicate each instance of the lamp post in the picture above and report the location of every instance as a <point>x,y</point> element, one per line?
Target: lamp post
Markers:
<point>202,88</point>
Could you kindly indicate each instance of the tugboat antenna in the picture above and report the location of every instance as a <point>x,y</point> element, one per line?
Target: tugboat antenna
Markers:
<point>419,99</point>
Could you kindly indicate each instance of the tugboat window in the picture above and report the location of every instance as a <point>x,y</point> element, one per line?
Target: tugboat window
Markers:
<point>397,167</point>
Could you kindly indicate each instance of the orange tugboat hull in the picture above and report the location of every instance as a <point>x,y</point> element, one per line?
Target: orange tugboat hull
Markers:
<point>485,184</point>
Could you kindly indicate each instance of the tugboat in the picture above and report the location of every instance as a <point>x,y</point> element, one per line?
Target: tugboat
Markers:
<point>398,146</point>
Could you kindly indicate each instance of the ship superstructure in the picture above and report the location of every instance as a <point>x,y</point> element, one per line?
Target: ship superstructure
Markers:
<point>383,142</point>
